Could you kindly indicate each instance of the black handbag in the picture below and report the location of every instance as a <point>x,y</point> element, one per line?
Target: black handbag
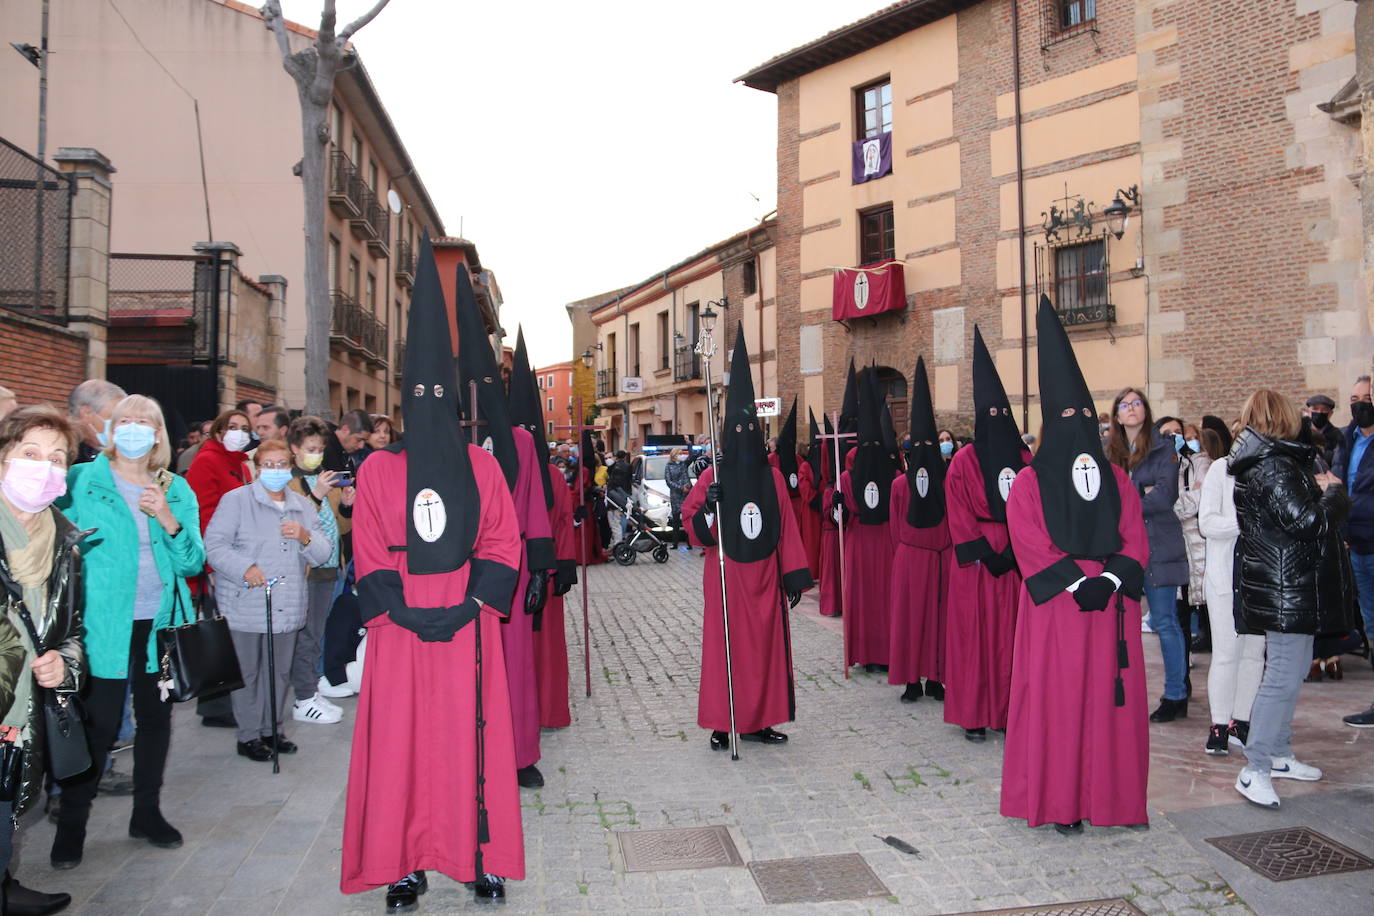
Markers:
<point>197,656</point>
<point>11,770</point>
<point>69,754</point>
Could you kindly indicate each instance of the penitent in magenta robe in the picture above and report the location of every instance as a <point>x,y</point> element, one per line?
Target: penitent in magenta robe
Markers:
<point>760,634</point>
<point>867,582</point>
<point>831,595</point>
<point>981,619</point>
<point>810,519</point>
<point>919,593</point>
<point>1071,752</point>
<point>591,537</point>
<point>412,776</point>
<point>550,640</point>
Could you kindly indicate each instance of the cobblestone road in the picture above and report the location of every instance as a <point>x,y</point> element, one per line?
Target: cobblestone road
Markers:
<point>859,766</point>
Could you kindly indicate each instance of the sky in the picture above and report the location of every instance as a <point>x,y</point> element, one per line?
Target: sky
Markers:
<point>584,146</point>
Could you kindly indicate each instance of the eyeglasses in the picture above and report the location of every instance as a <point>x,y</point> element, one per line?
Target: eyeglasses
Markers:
<point>1131,404</point>
<point>276,465</point>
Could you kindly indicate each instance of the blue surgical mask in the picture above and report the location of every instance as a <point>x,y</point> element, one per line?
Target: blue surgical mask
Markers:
<point>946,448</point>
<point>275,479</point>
<point>134,440</point>
<point>1178,443</point>
<point>1195,445</point>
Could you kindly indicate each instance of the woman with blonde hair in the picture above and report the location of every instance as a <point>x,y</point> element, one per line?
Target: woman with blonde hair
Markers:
<point>147,540</point>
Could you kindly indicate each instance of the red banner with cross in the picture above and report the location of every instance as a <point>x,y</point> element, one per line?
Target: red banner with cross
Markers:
<point>862,292</point>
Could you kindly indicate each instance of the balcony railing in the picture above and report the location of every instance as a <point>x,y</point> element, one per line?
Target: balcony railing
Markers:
<point>344,185</point>
<point>605,383</point>
<point>370,224</point>
<point>356,329</point>
<point>405,264</point>
<point>686,365</point>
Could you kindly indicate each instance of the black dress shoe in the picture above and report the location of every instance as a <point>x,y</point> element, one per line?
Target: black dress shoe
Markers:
<point>149,824</point>
<point>24,901</point>
<point>720,741</point>
<point>67,846</point>
<point>284,746</point>
<point>256,749</point>
<point>912,693</point>
<point>1073,829</point>
<point>935,690</point>
<point>404,895</point>
<point>529,777</point>
<point>1169,710</point>
<point>489,889</point>
<point>765,736</point>
<point>225,721</point>
<point>976,735</point>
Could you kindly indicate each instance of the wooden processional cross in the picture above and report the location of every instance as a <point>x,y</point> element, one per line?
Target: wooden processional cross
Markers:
<point>839,524</point>
<point>588,530</point>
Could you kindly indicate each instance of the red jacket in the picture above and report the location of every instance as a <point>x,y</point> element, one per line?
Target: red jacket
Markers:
<point>214,472</point>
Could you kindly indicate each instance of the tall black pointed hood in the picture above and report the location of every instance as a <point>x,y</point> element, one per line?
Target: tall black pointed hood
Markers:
<point>871,478</point>
<point>849,405</point>
<point>996,440</point>
<point>925,467</point>
<point>787,450</point>
<point>814,453</point>
<point>441,493</point>
<point>1078,490</point>
<point>527,409</point>
<point>894,449</point>
<point>477,363</point>
<point>750,522</point>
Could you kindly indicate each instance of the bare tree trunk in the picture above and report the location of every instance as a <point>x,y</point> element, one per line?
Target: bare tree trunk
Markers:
<point>313,70</point>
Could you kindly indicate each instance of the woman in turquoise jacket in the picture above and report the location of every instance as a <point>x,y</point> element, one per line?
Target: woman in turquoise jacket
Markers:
<point>147,523</point>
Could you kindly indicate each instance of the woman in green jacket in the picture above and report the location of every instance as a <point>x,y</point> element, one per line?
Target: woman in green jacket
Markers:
<point>147,521</point>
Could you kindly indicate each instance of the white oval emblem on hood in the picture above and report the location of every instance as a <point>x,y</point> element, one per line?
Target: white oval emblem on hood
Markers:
<point>428,515</point>
<point>871,494</point>
<point>1005,478</point>
<point>489,446</point>
<point>792,481</point>
<point>751,520</point>
<point>922,482</point>
<point>1087,476</point>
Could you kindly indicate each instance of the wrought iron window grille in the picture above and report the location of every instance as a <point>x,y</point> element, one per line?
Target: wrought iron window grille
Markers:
<point>1061,20</point>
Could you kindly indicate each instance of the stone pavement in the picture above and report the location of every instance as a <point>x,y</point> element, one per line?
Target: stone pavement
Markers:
<point>860,766</point>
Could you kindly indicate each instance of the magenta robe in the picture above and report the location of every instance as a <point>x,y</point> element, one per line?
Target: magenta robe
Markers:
<point>1071,752</point>
<point>533,517</point>
<point>867,583</point>
<point>760,634</point>
<point>411,779</point>
<point>920,593</point>
<point>810,520</point>
<point>981,619</point>
<point>830,595</point>
<point>550,640</point>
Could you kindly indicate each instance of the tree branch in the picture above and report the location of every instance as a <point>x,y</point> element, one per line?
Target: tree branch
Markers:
<point>271,16</point>
<point>362,20</point>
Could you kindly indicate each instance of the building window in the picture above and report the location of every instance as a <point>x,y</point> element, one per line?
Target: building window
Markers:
<point>372,176</point>
<point>633,355</point>
<point>357,151</point>
<point>610,353</point>
<point>334,258</point>
<point>1076,12</point>
<point>1080,275</point>
<point>665,345</point>
<point>876,241</point>
<point>550,379</point>
<point>874,104</point>
<point>749,277</point>
<point>548,404</point>
<point>550,426</point>
<point>336,120</point>
<point>354,277</point>
<point>371,292</point>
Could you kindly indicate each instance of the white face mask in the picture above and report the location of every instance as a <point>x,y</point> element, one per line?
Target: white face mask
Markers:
<point>236,440</point>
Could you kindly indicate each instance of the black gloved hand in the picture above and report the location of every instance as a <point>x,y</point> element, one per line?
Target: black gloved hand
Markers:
<point>565,578</point>
<point>713,494</point>
<point>793,598</point>
<point>580,514</point>
<point>998,564</point>
<point>1093,594</point>
<point>837,500</point>
<point>536,591</point>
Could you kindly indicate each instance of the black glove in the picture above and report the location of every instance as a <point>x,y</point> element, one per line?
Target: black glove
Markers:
<point>793,598</point>
<point>713,492</point>
<point>580,514</point>
<point>565,578</point>
<point>536,591</point>
<point>837,500</point>
<point>1094,594</point>
<point>561,588</point>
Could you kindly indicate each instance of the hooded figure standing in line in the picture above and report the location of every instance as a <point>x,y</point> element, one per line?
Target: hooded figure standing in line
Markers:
<point>550,639</point>
<point>765,573</point>
<point>431,782</point>
<point>920,538</point>
<point>784,458</point>
<point>809,472</point>
<point>832,517</point>
<point>523,467</point>
<point>984,584</point>
<point>1078,745</point>
<point>867,547</point>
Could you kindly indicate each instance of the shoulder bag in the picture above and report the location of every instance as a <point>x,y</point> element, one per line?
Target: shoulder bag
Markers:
<point>197,657</point>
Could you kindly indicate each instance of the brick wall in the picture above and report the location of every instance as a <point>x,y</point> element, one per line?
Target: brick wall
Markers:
<point>40,362</point>
<point>246,391</point>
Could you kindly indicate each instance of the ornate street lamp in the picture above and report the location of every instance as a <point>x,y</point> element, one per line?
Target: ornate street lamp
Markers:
<point>1118,213</point>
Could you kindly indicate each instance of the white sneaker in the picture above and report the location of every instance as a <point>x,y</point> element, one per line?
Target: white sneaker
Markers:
<point>317,710</point>
<point>329,690</point>
<point>1293,768</point>
<point>1257,787</point>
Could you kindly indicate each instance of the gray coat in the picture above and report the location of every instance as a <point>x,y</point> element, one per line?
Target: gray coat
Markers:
<point>246,531</point>
<point>1168,553</point>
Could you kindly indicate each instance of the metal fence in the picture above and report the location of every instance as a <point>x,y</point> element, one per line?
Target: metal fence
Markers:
<point>35,225</point>
<point>162,307</point>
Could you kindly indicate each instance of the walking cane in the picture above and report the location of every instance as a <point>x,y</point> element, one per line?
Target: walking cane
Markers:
<point>272,672</point>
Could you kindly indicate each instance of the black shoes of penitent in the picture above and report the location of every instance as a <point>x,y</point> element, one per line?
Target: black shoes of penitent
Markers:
<point>404,895</point>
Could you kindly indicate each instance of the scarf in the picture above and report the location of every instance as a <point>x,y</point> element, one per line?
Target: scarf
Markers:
<point>29,557</point>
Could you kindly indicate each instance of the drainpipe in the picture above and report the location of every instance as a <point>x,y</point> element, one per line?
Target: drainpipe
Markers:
<point>1020,212</point>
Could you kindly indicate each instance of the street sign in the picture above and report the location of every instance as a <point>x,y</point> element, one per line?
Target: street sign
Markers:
<point>768,407</point>
<point>630,384</point>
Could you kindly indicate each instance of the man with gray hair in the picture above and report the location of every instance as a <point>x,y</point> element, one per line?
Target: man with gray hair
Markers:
<point>90,405</point>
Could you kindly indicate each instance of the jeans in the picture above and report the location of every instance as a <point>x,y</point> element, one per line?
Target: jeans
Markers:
<point>1363,565</point>
<point>305,663</point>
<point>1164,621</point>
<point>1289,655</point>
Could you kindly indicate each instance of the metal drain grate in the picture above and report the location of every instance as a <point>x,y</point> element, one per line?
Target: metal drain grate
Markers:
<point>1294,852</point>
<point>674,848</point>
<point>1114,907</point>
<point>814,879</point>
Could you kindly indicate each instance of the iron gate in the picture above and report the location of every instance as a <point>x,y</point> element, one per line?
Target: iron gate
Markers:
<point>35,218</point>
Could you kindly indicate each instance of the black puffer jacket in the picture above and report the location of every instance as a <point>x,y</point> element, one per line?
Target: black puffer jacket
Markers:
<point>1292,573</point>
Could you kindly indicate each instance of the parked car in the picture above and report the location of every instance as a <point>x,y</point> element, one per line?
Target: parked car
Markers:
<point>652,493</point>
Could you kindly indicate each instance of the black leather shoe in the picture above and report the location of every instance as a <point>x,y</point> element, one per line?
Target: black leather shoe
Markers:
<point>912,693</point>
<point>67,846</point>
<point>976,735</point>
<point>765,736</point>
<point>404,895</point>
<point>1169,710</point>
<point>1073,829</point>
<point>256,749</point>
<point>935,690</point>
<point>529,777</point>
<point>149,824</point>
<point>24,901</point>
<point>720,741</point>
<point>224,721</point>
<point>283,745</point>
<point>489,889</point>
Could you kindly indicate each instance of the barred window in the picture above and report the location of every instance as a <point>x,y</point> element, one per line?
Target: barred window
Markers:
<point>1080,275</point>
<point>1076,12</point>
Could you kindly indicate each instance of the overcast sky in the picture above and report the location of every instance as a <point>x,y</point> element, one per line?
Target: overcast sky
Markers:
<point>585,146</point>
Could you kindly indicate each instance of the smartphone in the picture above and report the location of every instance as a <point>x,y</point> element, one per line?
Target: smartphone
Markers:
<point>344,482</point>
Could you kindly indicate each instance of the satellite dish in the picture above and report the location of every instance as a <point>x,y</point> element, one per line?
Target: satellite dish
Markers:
<point>393,200</point>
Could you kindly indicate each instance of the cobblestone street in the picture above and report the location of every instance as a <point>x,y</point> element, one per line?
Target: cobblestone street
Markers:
<point>860,766</point>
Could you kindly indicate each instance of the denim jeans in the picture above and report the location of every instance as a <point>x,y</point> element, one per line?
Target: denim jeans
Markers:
<point>1164,621</point>
<point>1363,564</point>
<point>1289,656</point>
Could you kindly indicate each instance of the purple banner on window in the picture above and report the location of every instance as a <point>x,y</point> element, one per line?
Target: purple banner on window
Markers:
<point>872,157</point>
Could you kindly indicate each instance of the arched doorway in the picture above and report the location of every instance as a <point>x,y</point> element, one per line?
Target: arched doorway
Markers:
<point>892,386</point>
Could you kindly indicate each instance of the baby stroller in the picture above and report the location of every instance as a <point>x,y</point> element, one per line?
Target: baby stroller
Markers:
<point>639,535</point>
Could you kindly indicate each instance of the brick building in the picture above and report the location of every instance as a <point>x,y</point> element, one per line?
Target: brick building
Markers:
<point>1238,264</point>
<point>557,388</point>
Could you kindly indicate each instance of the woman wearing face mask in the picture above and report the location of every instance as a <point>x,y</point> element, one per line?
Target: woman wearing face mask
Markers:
<point>260,533</point>
<point>221,465</point>
<point>679,480</point>
<point>146,541</point>
<point>334,507</point>
<point>41,564</point>
<point>1193,463</point>
<point>947,445</point>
